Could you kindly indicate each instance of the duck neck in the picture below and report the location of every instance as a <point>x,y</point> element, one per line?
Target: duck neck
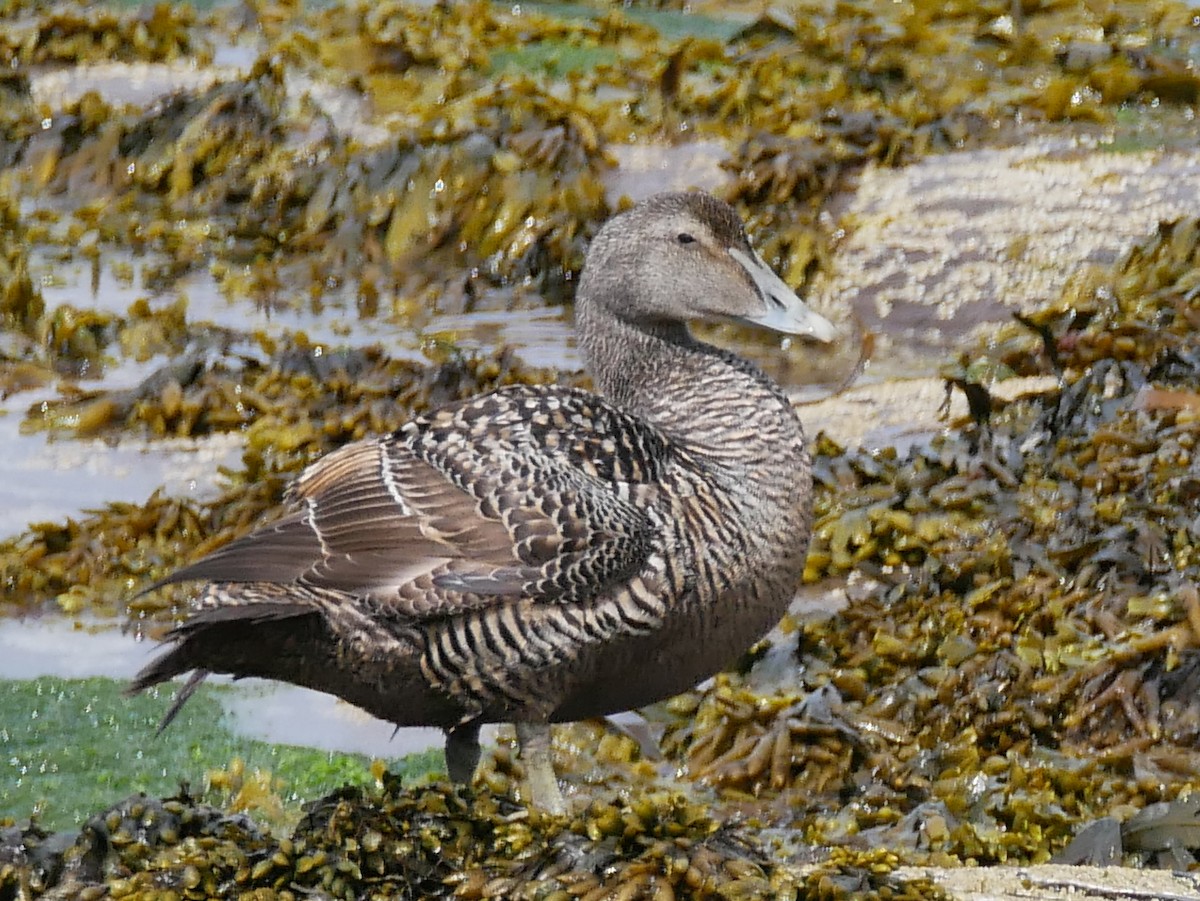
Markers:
<point>629,362</point>
<point>696,393</point>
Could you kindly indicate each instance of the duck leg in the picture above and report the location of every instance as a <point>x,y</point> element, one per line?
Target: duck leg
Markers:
<point>544,793</point>
<point>462,752</point>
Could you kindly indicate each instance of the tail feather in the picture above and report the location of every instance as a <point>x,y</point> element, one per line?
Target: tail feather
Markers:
<point>217,639</point>
<point>181,698</point>
<point>279,553</point>
<point>303,641</point>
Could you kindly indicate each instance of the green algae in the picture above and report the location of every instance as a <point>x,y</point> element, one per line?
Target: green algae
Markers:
<point>554,59</point>
<point>75,746</point>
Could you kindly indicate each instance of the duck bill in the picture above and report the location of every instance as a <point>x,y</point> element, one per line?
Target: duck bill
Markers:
<point>782,311</point>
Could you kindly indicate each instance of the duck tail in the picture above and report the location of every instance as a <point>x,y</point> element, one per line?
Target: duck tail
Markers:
<point>217,639</point>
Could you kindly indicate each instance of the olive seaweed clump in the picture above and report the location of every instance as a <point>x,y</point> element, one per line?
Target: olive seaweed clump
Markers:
<point>70,33</point>
<point>395,843</point>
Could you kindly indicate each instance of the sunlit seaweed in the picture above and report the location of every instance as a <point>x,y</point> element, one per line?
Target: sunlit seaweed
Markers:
<point>399,843</point>
<point>81,32</point>
<point>21,304</point>
<point>21,307</point>
<point>498,170</point>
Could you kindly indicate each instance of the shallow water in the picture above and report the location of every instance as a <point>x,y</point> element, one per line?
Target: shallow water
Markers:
<point>43,480</point>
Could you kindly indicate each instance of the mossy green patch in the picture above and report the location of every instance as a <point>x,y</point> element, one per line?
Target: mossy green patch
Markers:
<point>671,24</point>
<point>75,746</point>
<point>556,58</point>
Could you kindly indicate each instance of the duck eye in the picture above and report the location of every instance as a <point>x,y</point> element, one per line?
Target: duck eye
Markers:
<point>685,238</point>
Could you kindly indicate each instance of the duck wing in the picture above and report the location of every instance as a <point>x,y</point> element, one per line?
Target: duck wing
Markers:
<point>537,492</point>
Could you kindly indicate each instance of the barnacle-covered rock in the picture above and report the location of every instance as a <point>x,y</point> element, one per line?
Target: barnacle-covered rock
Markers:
<point>1144,309</point>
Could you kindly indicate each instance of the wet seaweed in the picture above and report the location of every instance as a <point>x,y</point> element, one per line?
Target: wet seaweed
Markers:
<point>471,160</point>
<point>431,842</point>
<point>82,32</point>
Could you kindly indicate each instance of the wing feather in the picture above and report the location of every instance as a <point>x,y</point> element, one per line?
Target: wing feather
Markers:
<point>478,502</point>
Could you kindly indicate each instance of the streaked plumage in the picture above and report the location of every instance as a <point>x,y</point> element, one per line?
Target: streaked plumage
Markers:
<point>542,554</point>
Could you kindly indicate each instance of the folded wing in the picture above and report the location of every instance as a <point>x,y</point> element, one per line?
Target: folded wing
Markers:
<point>499,497</point>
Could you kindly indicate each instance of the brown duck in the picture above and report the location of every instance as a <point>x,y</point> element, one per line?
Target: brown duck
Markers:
<point>543,554</point>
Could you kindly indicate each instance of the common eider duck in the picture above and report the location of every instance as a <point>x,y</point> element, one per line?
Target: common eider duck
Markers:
<point>543,554</point>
